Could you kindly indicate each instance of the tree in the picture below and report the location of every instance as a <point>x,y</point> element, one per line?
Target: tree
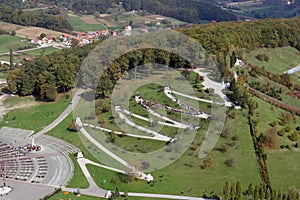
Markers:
<point>42,35</point>
<point>270,139</point>
<point>13,80</point>
<point>13,33</point>
<point>294,136</point>
<point>207,162</point>
<point>47,92</point>
<point>239,190</point>
<point>230,162</point>
<point>226,190</point>
<point>72,126</point>
<point>11,59</point>
<point>232,191</point>
<point>250,190</point>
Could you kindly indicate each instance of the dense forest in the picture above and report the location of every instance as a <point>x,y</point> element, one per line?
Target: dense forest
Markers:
<point>47,75</point>
<point>44,20</point>
<point>185,10</point>
<point>222,39</point>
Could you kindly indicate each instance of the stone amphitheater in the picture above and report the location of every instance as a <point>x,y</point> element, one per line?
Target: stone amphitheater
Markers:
<point>43,170</point>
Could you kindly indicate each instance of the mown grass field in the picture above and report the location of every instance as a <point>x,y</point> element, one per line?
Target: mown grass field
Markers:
<point>35,117</point>
<point>282,164</point>
<point>280,60</point>
<point>170,180</point>
<point>7,42</point>
<point>3,75</point>
<point>283,168</point>
<point>80,26</point>
<point>45,51</point>
<point>71,196</point>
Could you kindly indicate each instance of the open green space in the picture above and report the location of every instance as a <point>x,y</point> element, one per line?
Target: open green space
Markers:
<point>71,196</point>
<point>127,143</point>
<point>3,75</point>
<point>7,42</point>
<point>81,26</point>
<point>267,113</point>
<point>36,117</point>
<point>42,51</point>
<point>283,168</point>
<point>169,180</point>
<point>282,163</point>
<point>280,60</point>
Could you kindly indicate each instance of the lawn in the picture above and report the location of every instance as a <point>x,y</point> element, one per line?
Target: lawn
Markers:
<point>268,113</point>
<point>71,196</point>
<point>170,180</point>
<point>283,168</point>
<point>36,117</point>
<point>283,164</point>
<point>3,75</point>
<point>81,26</point>
<point>280,60</point>
<point>7,42</point>
<point>45,51</point>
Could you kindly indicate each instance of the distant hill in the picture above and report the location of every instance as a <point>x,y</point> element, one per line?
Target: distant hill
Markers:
<point>185,10</point>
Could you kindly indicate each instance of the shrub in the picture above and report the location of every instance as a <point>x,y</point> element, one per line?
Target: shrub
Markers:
<point>281,132</point>
<point>230,162</point>
<point>207,162</point>
<point>294,136</point>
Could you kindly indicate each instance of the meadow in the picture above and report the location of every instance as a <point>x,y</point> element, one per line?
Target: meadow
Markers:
<point>80,26</point>
<point>36,116</point>
<point>7,42</point>
<point>42,51</point>
<point>280,60</point>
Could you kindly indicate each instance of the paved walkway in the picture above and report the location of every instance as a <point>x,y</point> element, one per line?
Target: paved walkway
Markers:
<point>120,133</point>
<point>94,190</point>
<point>100,146</point>
<point>149,120</point>
<point>156,135</point>
<point>218,87</point>
<point>62,116</point>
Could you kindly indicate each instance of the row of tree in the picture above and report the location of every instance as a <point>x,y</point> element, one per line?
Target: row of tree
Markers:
<point>235,191</point>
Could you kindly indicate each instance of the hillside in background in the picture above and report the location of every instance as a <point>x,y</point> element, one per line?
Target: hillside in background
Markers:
<point>218,39</point>
<point>185,10</point>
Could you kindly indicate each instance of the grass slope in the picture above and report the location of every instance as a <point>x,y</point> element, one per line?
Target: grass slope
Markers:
<point>14,42</point>
<point>37,117</point>
<point>81,26</point>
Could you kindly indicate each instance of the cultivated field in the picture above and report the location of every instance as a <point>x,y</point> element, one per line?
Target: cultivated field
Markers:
<point>27,32</point>
<point>84,24</point>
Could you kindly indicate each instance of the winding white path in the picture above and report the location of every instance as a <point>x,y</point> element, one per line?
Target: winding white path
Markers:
<point>120,133</point>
